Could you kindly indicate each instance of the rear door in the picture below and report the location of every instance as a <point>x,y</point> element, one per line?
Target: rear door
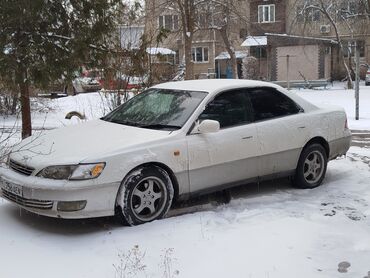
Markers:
<point>282,130</point>
<point>229,155</point>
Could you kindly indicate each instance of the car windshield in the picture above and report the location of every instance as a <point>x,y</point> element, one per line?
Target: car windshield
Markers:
<point>157,109</point>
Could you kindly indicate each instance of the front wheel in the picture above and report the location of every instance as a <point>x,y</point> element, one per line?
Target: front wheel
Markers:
<point>145,195</point>
<point>311,167</point>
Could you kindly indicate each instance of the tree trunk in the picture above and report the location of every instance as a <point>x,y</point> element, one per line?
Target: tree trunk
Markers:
<point>14,103</point>
<point>230,50</point>
<point>187,10</point>
<point>25,105</point>
<point>189,71</point>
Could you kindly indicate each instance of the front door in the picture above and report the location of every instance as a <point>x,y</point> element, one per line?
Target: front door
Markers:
<point>229,155</point>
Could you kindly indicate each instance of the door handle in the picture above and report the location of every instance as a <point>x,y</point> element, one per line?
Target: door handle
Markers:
<point>301,127</point>
<point>247,137</point>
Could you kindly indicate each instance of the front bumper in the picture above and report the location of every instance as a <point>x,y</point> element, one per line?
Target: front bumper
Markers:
<point>41,196</point>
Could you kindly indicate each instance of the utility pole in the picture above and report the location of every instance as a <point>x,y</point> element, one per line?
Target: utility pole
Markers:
<point>357,85</point>
<point>287,72</point>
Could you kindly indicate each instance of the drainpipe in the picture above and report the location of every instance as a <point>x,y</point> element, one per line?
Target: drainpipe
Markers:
<point>214,50</point>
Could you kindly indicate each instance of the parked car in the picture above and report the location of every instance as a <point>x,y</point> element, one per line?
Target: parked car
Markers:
<point>171,142</point>
<point>367,78</point>
<point>85,85</point>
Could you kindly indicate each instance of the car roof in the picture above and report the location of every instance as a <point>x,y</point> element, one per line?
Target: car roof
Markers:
<point>214,85</point>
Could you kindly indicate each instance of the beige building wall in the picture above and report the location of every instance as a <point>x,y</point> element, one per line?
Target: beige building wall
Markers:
<point>209,38</point>
<point>304,60</point>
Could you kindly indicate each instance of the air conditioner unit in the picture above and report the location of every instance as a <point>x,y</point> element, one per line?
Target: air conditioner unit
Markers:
<point>324,29</point>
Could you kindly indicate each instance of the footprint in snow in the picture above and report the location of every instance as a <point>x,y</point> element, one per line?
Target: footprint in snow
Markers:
<point>343,267</point>
<point>352,213</point>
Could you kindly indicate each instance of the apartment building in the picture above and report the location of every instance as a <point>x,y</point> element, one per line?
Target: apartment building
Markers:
<point>209,55</point>
<point>350,18</point>
<point>289,40</point>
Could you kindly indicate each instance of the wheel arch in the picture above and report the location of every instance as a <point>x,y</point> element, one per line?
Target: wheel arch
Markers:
<point>165,168</point>
<point>319,140</point>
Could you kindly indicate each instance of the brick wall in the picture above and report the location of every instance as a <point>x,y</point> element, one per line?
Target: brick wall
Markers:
<point>278,26</point>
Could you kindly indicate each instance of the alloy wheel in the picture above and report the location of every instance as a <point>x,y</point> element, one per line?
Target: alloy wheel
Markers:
<point>148,198</point>
<point>313,167</point>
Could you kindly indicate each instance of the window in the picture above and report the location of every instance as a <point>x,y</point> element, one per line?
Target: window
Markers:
<point>229,109</point>
<point>258,52</point>
<point>199,54</point>
<point>268,103</point>
<point>266,13</point>
<point>348,9</point>
<point>169,22</point>
<point>203,20</point>
<point>349,48</point>
<point>157,109</point>
<point>310,14</point>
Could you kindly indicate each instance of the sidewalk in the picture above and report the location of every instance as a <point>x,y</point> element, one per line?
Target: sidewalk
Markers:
<point>361,138</point>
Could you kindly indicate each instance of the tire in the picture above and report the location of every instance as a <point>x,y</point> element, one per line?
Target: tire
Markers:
<point>311,167</point>
<point>145,195</point>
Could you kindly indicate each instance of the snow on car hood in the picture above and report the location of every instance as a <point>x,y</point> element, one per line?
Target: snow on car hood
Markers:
<point>74,144</point>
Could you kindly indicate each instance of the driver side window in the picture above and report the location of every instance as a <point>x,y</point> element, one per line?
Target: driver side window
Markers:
<point>229,108</point>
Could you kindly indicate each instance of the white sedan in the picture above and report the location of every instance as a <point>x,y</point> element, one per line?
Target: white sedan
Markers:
<point>171,142</point>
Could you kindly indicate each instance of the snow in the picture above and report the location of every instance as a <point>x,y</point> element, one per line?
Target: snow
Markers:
<point>160,50</point>
<point>275,231</point>
<point>255,41</point>
<point>267,230</point>
<point>226,55</point>
<point>340,96</point>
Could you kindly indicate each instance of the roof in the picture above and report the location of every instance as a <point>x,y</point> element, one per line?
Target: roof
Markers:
<point>213,85</point>
<point>160,50</point>
<point>255,41</point>
<point>225,55</point>
<point>324,40</point>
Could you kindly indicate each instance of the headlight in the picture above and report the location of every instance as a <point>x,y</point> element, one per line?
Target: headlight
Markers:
<point>72,172</point>
<point>87,171</point>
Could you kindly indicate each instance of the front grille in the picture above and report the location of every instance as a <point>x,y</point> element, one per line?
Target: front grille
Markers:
<point>28,203</point>
<point>20,168</point>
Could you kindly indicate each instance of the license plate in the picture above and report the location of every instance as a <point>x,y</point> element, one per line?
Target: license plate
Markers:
<point>11,187</point>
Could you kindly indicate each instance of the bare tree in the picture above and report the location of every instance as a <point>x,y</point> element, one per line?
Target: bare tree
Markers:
<point>200,15</point>
<point>347,19</point>
<point>224,19</point>
<point>187,10</point>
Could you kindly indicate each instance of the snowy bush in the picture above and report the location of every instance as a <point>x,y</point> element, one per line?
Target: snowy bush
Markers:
<point>250,68</point>
<point>132,264</point>
<point>9,102</point>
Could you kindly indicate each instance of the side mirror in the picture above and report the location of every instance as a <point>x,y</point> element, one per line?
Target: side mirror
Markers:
<point>207,126</point>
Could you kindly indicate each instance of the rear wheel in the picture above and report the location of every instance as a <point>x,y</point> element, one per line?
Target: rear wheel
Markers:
<point>311,167</point>
<point>145,195</point>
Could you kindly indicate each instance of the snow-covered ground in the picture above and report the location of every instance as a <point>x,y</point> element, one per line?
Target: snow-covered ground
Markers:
<point>275,231</point>
<point>270,230</point>
<point>340,96</point>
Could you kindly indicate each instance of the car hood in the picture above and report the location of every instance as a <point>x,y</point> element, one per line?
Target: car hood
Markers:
<point>83,142</point>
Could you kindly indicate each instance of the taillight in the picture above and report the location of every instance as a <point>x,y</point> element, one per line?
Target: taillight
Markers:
<point>346,124</point>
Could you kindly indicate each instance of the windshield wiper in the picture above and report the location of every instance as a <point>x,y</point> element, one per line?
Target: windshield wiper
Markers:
<point>161,126</point>
<point>116,121</point>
